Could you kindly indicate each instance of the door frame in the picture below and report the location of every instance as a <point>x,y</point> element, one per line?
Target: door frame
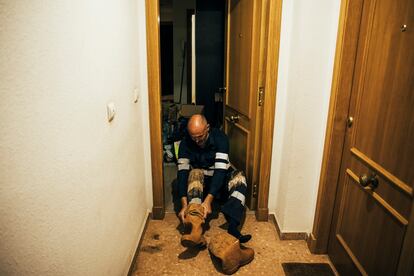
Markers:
<point>344,65</point>
<point>273,22</point>
<point>345,57</point>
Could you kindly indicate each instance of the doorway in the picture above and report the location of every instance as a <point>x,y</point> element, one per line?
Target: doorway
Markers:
<point>192,47</point>
<point>265,49</point>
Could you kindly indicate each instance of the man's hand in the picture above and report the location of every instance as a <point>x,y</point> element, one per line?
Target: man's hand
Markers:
<point>181,214</point>
<point>207,205</point>
<point>207,208</point>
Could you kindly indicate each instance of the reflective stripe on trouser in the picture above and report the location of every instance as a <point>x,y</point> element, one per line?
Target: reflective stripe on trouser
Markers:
<point>195,186</point>
<point>234,205</point>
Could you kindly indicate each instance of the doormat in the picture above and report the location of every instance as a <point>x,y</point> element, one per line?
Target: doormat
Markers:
<point>307,269</point>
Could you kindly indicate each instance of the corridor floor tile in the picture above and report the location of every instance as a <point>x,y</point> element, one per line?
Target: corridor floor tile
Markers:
<point>162,254</point>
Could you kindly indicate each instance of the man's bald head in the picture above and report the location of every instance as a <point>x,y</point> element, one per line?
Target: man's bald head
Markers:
<point>196,123</point>
<point>198,129</point>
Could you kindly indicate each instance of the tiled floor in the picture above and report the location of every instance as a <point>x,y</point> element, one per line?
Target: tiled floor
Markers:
<point>162,254</point>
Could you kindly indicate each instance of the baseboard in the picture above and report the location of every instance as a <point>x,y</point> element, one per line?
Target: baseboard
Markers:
<point>141,237</point>
<point>262,214</point>
<point>311,241</point>
<point>158,212</point>
<point>287,235</point>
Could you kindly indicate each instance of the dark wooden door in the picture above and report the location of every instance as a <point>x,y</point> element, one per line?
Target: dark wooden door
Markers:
<point>375,193</point>
<point>244,34</point>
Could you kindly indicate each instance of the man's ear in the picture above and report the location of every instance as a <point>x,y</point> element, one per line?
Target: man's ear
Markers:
<point>208,127</point>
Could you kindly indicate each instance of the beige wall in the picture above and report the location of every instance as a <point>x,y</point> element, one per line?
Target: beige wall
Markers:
<point>74,189</point>
<point>307,49</point>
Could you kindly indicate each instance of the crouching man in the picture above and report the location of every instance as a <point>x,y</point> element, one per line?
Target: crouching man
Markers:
<point>204,174</point>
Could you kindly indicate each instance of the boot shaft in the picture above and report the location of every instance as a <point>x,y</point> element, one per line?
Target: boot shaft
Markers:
<point>194,219</point>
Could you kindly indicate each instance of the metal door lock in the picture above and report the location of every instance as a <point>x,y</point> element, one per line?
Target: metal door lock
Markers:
<point>234,118</point>
<point>370,181</point>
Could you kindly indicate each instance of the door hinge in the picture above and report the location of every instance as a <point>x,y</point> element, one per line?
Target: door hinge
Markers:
<point>261,96</point>
<point>255,190</point>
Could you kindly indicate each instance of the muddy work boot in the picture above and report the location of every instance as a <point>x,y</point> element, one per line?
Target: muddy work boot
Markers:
<point>194,220</point>
<point>227,248</point>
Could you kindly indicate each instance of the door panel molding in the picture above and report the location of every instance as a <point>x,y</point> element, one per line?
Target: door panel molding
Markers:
<point>406,265</point>
<point>243,133</point>
<point>383,172</point>
<point>349,219</point>
<point>351,255</point>
<point>247,152</point>
<point>382,202</point>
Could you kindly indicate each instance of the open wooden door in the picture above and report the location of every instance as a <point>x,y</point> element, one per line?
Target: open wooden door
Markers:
<point>244,60</point>
<point>375,193</point>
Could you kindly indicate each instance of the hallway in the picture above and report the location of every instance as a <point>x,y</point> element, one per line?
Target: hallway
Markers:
<point>162,254</point>
<point>77,171</point>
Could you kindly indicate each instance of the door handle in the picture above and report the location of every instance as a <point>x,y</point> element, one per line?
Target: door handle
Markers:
<point>233,118</point>
<point>370,181</point>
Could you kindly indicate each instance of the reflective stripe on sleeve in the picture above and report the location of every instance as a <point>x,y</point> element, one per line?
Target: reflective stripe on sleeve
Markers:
<point>183,161</point>
<point>208,172</point>
<point>239,196</point>
<point>220,155</point>
<point>221,165</point>
<point>183,167</point>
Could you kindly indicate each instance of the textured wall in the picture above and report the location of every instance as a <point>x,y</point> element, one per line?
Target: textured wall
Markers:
<point>73,187</point>
<point>307,52</point>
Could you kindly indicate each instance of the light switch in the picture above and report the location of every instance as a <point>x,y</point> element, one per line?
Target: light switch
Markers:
<point>136,95</point>
<point>110,108</point>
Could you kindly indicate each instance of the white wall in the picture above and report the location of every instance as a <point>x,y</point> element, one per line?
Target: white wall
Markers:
<point>74,189</point>
<point>307,50</point>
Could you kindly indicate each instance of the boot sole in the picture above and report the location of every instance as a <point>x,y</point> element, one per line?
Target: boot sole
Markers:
<point>190,243</point>
<point>234,269</point>
<point>247,261</point>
